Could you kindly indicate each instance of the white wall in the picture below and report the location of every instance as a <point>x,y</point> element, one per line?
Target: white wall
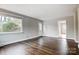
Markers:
<point>70,28</point>
<point>51,27</point>
<point>42,11</point>
<point>30,30</point>
<point>76,17</point>
<point>30,25</point>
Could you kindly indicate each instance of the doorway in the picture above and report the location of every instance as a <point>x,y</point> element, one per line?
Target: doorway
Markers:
<point>62,28</point>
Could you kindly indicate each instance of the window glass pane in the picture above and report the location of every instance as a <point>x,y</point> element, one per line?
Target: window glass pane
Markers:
<point>0,24</point>
<point>0,19</point>
<point>10,24</point>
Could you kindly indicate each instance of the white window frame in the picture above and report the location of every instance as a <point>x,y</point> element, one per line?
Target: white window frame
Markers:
<point>21,30</point>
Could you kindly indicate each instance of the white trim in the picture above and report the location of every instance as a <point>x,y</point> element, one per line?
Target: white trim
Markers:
<point>50,36</point>
<point>70,38</point>
<point>59,25</point>
<point>10,32</point>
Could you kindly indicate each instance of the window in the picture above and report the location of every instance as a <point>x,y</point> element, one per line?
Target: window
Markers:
<point>10,24</point>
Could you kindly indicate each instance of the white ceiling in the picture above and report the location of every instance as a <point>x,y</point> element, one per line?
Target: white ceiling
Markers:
<point>42,11</point>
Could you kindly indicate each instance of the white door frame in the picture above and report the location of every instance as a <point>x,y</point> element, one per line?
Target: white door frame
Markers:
<point>59,27</point>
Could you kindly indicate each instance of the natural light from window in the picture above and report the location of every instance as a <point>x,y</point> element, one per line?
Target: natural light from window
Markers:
<point>10,24</point>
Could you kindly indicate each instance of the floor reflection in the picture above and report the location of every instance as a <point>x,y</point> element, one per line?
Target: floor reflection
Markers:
<point>63,46</point>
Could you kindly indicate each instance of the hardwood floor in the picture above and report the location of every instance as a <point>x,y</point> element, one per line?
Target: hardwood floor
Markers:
<point>41,46</point>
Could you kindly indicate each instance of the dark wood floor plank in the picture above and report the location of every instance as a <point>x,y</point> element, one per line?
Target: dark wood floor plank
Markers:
<point>41,46</point>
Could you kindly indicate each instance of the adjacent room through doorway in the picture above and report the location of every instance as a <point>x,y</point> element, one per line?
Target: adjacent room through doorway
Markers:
<point>62,28</point>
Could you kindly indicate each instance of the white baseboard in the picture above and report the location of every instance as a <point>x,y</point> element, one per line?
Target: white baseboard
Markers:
<point>51,36</point>
<point>17,41</point>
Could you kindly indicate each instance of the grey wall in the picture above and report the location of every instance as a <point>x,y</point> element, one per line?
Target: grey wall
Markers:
<point>77,25</point>
<point>30,30</point>
<point>51,27</point>
<point>70,28</point>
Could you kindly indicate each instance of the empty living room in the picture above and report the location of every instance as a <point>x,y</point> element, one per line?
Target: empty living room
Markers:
<point>39,29</point>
